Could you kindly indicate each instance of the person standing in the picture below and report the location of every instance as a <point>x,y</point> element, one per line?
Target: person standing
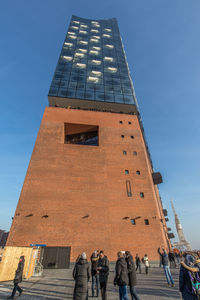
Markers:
<point>146,263</point>
<point>172,260</point>
<point>131,275</point>
<point>189,278</point>
<point>121,276</point>
<point>18,278</point>
<point>166,268</point>
<point>95,281</point>
<point>81,276</point>
<point>138,263</point>
<point>103,270</point>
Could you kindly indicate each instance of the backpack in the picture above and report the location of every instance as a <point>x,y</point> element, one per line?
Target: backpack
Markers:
<point>195,283</point>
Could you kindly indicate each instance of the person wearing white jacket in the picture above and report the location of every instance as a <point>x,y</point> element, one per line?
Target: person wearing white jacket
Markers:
<point>146,263</point>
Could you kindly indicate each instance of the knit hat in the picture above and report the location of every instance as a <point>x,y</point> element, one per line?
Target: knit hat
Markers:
<point>83,255</point>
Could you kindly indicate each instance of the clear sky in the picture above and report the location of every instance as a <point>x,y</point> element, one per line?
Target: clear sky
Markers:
<point>162,44</point>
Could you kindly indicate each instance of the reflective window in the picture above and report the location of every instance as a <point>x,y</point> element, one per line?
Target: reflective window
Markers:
<point>92,64</point>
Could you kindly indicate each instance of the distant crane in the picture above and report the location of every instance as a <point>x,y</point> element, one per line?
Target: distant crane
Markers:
<point>182,244</point>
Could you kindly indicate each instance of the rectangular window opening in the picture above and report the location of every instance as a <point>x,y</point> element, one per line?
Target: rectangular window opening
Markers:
<point>128,188</point>
<point>133,222</point>
<point>81,134</point>
<point>146,221</point>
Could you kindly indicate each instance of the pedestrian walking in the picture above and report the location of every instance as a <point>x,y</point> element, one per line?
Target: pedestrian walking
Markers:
<point>131,275</point>
<point>18,278</point>
<point>146,263</point>
<point>165,263</point>
<point>189,277</point>
<point>177,255</point>
<point>95,278</point>
<point>103,270</point>
<point>172,260</point>
<point>81,276</point>
<point>138,263</point>
<point>121,276</point>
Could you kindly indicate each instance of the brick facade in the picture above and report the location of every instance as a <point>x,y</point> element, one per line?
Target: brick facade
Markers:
<point>75,195</point>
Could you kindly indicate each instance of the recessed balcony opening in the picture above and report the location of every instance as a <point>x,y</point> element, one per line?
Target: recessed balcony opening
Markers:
<point>83,42</point>
<point>95,30</point>
<point>74,27</point>
<point>68,44</point>
<point>81,134</point>
<point>83,26</point>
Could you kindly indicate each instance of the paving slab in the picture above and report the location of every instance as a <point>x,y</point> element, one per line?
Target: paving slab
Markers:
<point>59,284</point>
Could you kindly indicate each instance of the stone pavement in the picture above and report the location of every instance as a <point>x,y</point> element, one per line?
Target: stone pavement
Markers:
<point>58,284</point>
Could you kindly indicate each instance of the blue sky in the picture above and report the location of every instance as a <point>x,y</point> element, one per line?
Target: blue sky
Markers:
<point>161,39</point>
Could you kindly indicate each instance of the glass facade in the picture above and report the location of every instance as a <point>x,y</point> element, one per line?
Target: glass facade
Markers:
<point>92,64</point>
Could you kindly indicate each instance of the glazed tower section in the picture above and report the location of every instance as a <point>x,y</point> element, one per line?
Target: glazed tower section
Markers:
<point>90,182</point>
<point>92,71</point>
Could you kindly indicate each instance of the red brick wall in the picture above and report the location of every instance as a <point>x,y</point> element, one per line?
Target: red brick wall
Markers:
<point>67,182</point>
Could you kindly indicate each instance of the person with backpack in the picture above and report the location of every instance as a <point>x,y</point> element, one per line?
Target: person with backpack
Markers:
<point>95,278</point>
<point>189,277</point>
<point>121,276</point>
<point>131,275</point>
<point>18,278</point>
<point>166,268</point>
<point>81,276</point>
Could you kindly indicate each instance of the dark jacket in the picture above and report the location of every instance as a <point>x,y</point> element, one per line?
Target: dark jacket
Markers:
<point>19,271</point>
<point>171,256</point>
<point>185,286</point>
<point>104,272</point>
<point>94,265</point>
<point>137,260</point>
<point>81,276</point>
<point>121,272</point>
<point>131,271</point>
<point>164,258</point>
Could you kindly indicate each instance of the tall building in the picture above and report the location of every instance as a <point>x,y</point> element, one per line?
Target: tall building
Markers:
<point>90,183</point>
<point>182,244</point>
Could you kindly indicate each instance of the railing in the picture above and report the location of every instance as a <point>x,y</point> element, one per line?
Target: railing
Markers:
<point>38,269</point>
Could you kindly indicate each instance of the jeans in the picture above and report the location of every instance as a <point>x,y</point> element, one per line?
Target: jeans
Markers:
<point>133,293</point>
<point>95,283</point>
<point>103,287</point>
<point>123,292</point>
<point>16,288</point>
<point>168,274</point>
<point>146,270</point>
<point>138,266</point>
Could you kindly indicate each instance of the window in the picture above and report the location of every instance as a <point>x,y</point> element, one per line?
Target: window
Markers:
<point>107,58</point>
<point>138,172</point>
<point>146,221</point>
<point>122,136</point>
<point>134,153</point>
<point>133,222</point>
<point>81,134</point>
<point>129,123</point>
<point>126,171</point>
<point>142,195</point>
<point>120,122</point>
<point>132,137</point>
<point>128,188</point>
<point>112,70</point>
<point>124,152</point>
<point>93,79</point>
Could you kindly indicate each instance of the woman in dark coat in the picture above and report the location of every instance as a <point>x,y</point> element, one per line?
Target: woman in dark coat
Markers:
<point>18,278</point>
<point>189,272</point>
<point>131,275</point>
<point>81,276</point>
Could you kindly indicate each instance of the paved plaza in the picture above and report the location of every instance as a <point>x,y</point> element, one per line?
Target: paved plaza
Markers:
<point>58,284</point>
